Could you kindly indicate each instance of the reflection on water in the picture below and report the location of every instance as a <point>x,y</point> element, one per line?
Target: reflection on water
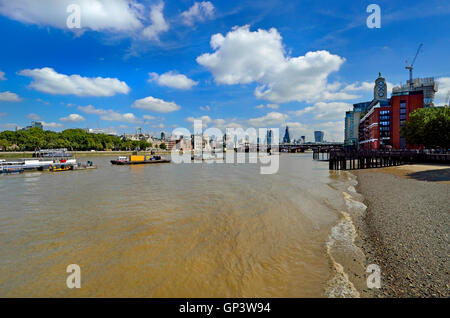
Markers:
<point>188,230</point>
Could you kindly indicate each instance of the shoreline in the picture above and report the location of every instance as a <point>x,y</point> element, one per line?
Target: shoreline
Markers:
<point>29,154</point>
<point>405,228</point>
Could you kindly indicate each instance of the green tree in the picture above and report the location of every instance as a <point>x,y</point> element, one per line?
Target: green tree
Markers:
<point>163,146</point>
<point>143,144</point>
<point>429,127</point>
<point>4,144</point>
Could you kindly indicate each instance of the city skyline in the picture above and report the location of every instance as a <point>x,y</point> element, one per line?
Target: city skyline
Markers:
<point>162,65</point>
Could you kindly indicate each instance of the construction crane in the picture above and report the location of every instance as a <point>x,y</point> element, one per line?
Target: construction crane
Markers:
<point>411,67</point>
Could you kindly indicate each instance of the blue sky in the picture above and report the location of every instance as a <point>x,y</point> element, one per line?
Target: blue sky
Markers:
<point>161,64</point>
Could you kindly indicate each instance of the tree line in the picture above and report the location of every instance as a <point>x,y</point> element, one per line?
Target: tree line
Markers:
<point>429,127</point>
<point>72,139</point>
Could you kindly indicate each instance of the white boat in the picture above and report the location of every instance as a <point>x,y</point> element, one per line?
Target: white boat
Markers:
<point>35,164</point>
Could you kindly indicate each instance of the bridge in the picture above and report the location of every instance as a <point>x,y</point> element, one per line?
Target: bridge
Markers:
<point>316,147</point>
<point>293,148</point>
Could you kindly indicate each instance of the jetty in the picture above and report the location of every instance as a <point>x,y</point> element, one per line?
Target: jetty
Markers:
<point>340,159</point>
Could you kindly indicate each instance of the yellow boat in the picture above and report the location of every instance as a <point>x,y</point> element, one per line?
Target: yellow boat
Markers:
<point>57,168</point>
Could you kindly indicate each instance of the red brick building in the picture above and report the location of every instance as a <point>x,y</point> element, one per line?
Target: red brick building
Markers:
<point>374,128</point>
<point>401,107</point>
<point>380,127</point>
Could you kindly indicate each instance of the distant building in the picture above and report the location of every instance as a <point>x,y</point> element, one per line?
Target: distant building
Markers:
<point>352,119</point>
<point>269,137</point>
<point>37,124</point>
<point>179,143</point>
<point>34,124</point>
<point>287,137</point>
<point>163,136</point>
<point>303,139</point>
<point>318,136</point>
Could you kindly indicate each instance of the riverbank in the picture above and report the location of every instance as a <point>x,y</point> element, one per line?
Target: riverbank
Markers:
<point>405,228</point>
<point>29,154</point>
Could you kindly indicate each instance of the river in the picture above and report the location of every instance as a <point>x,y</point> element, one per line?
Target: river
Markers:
<point>177,230</point>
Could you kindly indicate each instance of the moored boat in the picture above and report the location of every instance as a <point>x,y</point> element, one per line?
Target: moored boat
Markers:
<point>11,169</point>
<point>86,166</point>
<point>57,167</point>
<point>139,159</point>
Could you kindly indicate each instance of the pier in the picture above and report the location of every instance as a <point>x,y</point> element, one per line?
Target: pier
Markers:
<point>339,159</point>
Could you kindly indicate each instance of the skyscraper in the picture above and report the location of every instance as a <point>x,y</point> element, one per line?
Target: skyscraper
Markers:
<point>269,137</point>
<point>287,138</point>
<point>318,136</point>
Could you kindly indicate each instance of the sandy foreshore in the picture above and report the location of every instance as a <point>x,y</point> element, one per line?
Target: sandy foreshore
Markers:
<point>405,228</point>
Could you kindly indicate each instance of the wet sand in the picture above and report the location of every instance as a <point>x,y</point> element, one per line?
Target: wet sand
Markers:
<point>405,228</point>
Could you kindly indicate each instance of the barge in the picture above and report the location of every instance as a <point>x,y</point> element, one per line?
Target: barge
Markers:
<point>139,160</point>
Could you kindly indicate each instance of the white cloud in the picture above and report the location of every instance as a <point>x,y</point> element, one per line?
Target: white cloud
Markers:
<point>33,116</point>
<point>443,95</point>
<point>366,87</point>
<point>10,126</point>
<point>325,111</point>
<point>270,106</point>
<point>9,97</point>
<point>158,22</point>
<point>109,115</point>
<point>200,11</point>
<point>206,108</point>
<point>161,126</point>
<point>223,124</point>
<point>2,76</point>
<point>97,15</point>
<point>219,123</point>
<point>91,110</point>
<point>148,117</point>
<point>3,114</point>
<point>243,56</point>
<point>205,120</point>
<point>358,87</point>
<point>42,101</point>
<point>72,118</point>
<point>174,80</point>
<point>51,125</point>
<point>47,80</point>
<point>156,105</point>
<point>271,119</point>
<point>115,116</point>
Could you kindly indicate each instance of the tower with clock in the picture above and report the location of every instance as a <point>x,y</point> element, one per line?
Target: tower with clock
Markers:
<point>380,89</point>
